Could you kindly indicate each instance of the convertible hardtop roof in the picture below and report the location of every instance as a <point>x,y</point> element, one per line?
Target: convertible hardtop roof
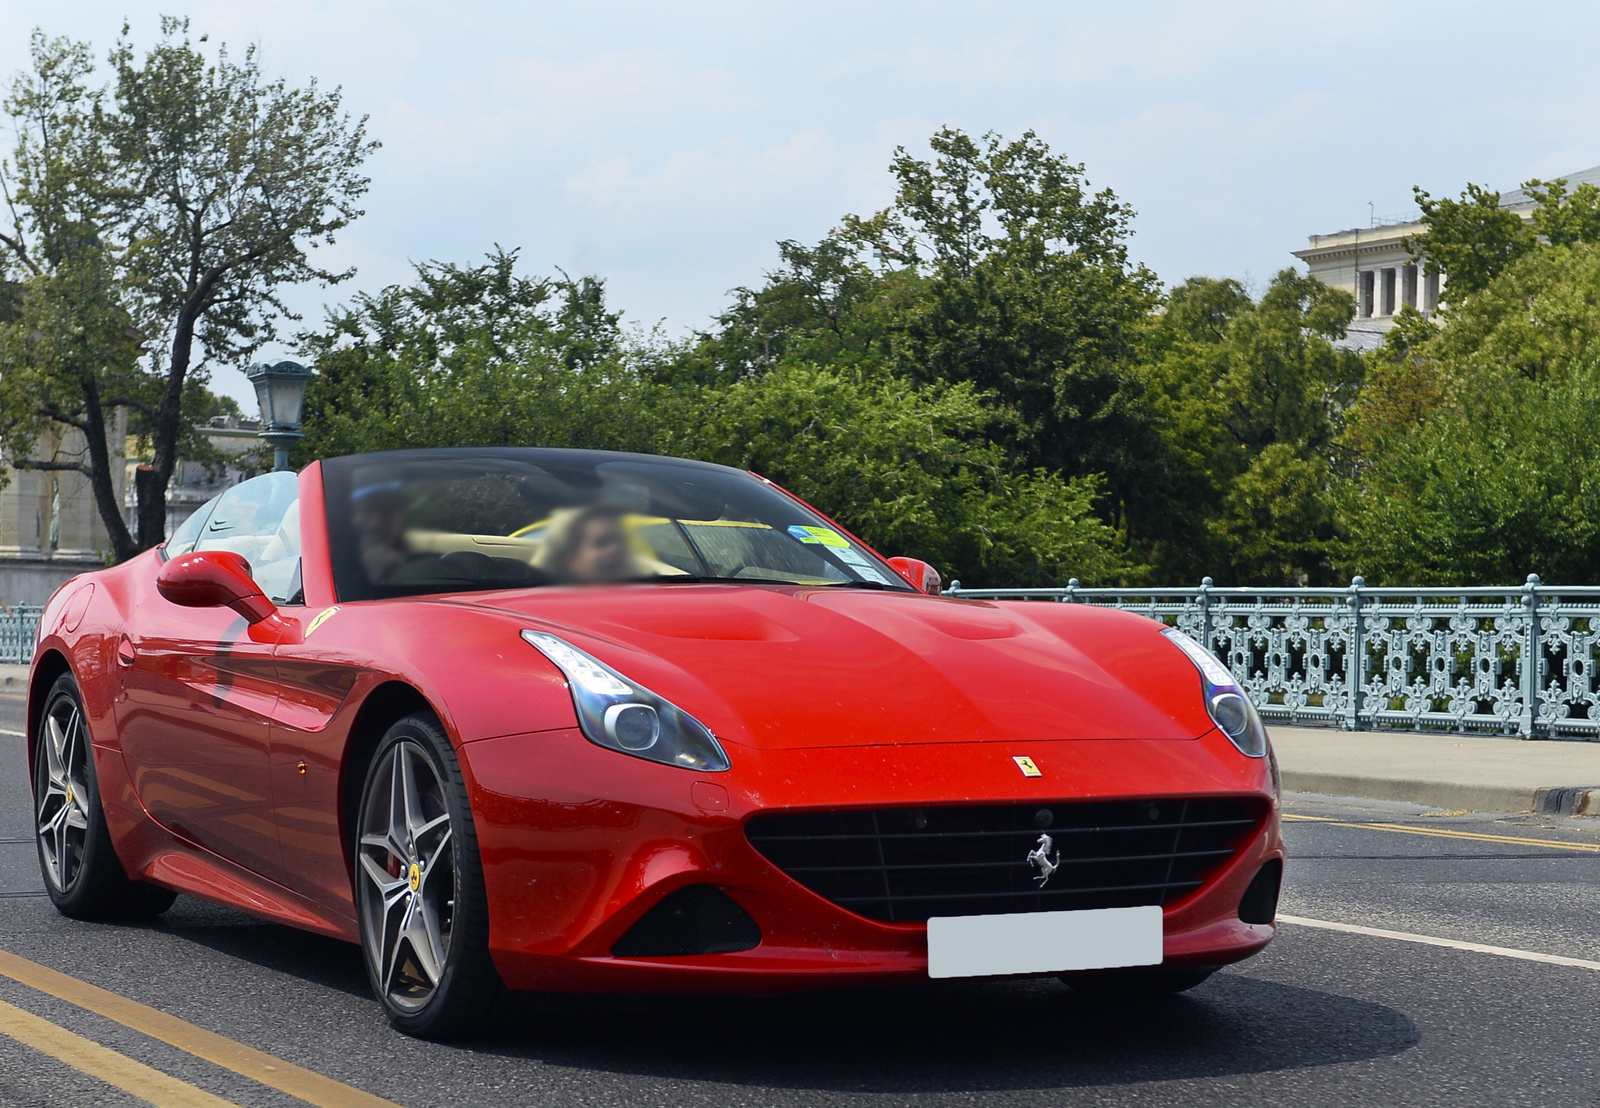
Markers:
<point>533,455</point>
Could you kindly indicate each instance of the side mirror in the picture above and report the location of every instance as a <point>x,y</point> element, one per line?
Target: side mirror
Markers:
<point>214,579</point>
<point>919,574</point>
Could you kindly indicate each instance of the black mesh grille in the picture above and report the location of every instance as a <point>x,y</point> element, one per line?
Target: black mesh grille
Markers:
<point>906,864</point>
<point>698,919</point>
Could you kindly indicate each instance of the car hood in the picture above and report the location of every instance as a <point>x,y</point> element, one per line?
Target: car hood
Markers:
<point>789,667</point>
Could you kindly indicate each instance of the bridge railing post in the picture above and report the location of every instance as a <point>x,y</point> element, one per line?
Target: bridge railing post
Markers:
<point>1355,659</point>
<point>1205,614</point>
<point>1532,656</point>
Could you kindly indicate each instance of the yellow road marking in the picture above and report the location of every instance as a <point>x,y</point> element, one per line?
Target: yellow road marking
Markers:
<point>246,1061</point>
<point>1446,833</point>
<point>118,1070</point>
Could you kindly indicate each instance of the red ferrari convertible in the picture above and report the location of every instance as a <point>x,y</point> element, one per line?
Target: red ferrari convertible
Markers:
<point>582,721</point>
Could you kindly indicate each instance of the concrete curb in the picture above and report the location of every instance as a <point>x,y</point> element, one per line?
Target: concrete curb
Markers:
<point>1550,800</point>
<point>1434,794</point>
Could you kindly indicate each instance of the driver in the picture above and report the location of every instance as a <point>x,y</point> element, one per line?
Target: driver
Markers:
<point>378,514</point>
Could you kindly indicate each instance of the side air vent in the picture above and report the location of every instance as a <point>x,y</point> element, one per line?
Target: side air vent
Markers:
<point>699,919</point>
<point>1260,901</point>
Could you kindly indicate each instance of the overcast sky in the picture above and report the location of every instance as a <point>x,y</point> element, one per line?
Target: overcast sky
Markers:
<point>666,147</point>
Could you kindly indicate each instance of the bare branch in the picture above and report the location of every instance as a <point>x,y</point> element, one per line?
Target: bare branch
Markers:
<point>55,467</point>
<point>62,417</point>
<point>129,402</point>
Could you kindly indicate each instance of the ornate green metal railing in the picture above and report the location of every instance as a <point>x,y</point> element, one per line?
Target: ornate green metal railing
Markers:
<point>19,629</point>
<point>1515,660</point>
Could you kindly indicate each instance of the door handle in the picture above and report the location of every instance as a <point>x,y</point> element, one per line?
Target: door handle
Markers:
<point>125,651</point>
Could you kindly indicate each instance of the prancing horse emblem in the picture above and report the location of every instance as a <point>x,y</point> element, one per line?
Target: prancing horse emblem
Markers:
<point>1040,856</point>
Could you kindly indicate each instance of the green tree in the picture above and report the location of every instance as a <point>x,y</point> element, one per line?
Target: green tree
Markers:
<point>1473,458</point>
<point>910,469</point>
<point>1250,399</point>
<point>1471,239</point>
<point>1565,218</point>
<point>473,355</point>
<point>68,347</point>
<point>174,206</point>
<point>1028,294</point>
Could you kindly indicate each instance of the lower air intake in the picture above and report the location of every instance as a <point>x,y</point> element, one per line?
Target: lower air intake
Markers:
<point>699,919</point>
<point>903,865</point>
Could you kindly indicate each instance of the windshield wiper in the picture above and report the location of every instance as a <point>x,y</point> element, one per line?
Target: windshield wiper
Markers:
<point>702,579</point>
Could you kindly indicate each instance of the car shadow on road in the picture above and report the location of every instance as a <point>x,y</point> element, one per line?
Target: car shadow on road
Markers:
<point>946,1036</point>
<point>938,1036</point>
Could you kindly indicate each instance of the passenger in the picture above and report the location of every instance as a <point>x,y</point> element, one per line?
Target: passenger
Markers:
<point>589,544</point>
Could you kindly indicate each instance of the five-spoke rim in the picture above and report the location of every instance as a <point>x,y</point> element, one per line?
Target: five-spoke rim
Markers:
<point>63,814</point>
<point>407,882</point>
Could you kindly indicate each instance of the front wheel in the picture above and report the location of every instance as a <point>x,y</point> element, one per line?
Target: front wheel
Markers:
<point>82,874</point>
<point>419,887</point>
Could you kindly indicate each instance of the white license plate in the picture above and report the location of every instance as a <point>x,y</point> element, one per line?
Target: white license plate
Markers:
<point>1044,942</point>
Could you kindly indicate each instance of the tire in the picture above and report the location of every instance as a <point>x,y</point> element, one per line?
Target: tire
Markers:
<point>420,898</point>
<point>1140,982</point>
<point>82,874</point>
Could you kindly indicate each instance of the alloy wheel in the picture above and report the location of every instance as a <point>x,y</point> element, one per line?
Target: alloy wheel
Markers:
<point>408,879</point>
<point>63,804</point>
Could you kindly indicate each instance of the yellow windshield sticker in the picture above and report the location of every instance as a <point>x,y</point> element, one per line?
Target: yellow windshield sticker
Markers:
<point>820,536</point>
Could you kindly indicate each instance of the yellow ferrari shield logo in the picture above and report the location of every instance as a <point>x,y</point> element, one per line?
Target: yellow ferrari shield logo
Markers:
<point>1025,764</point>
<point>322,617</point>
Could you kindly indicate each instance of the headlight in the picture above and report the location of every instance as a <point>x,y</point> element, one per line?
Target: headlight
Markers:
<point>1225,700</point>
<point>624,716</point>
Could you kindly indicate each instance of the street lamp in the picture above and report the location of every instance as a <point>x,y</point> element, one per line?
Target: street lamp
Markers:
<point>280,390</point>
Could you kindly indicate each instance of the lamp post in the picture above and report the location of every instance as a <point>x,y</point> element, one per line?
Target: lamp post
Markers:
<point>280,390</point>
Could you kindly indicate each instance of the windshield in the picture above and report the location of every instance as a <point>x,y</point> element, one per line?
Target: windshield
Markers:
<point>430,521</point>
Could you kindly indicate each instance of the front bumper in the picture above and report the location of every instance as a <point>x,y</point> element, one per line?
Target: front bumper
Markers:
<point>578,843</point>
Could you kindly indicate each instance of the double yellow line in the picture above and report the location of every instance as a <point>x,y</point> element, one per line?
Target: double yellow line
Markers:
<point>1447,833</point>
<point>140,1080</point>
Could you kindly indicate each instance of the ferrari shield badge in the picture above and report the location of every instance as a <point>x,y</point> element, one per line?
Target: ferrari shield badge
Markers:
<point>322,617</point>
<point>1025,764</point>
<point>1045,858</point>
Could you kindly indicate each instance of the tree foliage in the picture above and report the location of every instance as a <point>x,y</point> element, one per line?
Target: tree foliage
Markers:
<point>1474,443</point>
<point>1250,397</point>
<point>166,208</point>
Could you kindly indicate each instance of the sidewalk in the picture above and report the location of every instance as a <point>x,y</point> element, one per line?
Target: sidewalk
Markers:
<point>1445,771</point>
<point>13,679</point>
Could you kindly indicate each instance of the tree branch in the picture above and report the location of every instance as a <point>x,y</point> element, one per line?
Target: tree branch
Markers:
<point>60,467</point>
<point>129,402</point>
<point>62,417</point>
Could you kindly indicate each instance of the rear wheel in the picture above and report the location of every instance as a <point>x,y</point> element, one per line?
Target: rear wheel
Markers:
<point>82,874</point>
<point>419,887</point>
<point>1141,981</point>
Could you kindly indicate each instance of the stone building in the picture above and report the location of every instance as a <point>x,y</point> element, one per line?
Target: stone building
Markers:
<point>50,525</point>
<point>1374,266</point>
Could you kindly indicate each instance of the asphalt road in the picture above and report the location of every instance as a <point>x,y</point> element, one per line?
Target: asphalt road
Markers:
<point>1324,1017</point>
